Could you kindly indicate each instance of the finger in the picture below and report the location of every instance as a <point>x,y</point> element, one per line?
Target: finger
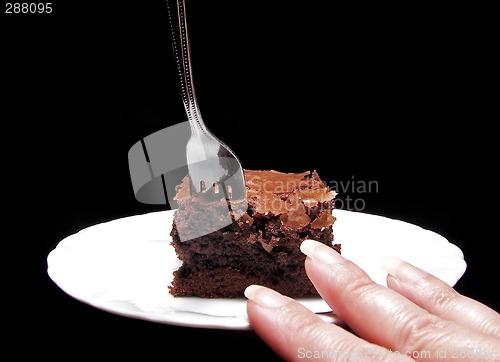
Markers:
<point>439,298</point>
<point>295,333</point>
<point>381,315</point>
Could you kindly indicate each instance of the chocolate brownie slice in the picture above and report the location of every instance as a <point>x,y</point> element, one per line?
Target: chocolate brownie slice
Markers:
<point>260,245</point>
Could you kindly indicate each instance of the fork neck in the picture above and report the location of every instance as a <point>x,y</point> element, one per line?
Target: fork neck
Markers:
<point>198,128</point>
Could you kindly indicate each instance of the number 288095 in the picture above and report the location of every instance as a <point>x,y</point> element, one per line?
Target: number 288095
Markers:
<point>28,8</point>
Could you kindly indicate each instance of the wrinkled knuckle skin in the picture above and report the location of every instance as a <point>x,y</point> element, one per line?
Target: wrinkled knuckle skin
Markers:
<point>442,300</point>
<point>295,324</point>
<point>326,341</point>
<point>360,290</point>
<point>422,332</point>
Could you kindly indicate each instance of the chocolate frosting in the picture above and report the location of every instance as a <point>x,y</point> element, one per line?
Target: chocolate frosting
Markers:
<point>296,198</point>
<point>291,196</point>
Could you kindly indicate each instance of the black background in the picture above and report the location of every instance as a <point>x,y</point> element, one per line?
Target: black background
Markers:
<point>401,96</point>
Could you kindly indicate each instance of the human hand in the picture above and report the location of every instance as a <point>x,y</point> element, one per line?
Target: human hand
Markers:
<point>418,317</point>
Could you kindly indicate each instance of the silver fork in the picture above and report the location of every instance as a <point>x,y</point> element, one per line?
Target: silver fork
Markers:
<point>214,169</point>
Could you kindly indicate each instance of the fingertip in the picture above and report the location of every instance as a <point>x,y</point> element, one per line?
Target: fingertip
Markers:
<point>265,297</point>
<point>390,265</point>
<point>320,252</point>
<point>252,290</point>
<point>403,270</point>
<point>308,246</point>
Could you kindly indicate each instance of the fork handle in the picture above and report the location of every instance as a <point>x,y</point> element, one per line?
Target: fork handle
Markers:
<point>182,53</point>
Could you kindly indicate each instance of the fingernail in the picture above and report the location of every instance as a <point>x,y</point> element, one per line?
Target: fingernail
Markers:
<point>402,270</point>
<point>265,297</point>
<point>320,252</point>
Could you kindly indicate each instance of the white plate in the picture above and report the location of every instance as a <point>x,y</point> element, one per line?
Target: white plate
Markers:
<point>124,266</point>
